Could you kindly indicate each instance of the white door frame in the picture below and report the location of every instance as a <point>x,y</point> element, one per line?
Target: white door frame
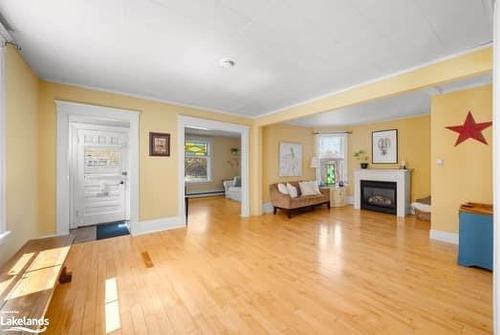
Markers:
<point>187,121</point>
<point>66,111</point>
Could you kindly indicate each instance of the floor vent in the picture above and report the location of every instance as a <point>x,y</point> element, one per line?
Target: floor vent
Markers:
<point>147,259</point>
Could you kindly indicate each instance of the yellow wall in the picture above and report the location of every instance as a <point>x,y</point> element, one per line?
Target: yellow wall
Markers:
<point>272,136</point>
<point>414,145</point>
<point>22,157</point>
<point>158,199</point>
<point>225,165</point>
<point>466,174</point>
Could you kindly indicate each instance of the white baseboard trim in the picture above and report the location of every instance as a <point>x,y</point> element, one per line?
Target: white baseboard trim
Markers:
<point>444,236</point>
<point>267,207</point>
<point>206,195</point>
<point>156,225</point>
<point>349,199</point>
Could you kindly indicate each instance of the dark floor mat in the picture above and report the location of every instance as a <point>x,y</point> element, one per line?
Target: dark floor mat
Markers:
<point>112,229</point>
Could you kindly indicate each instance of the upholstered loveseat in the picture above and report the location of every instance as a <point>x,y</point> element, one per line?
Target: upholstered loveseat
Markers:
<point>286,202</point>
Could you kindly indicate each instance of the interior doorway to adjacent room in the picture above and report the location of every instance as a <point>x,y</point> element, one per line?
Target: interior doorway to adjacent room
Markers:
<point>212,166</point>
<point>214,162</point>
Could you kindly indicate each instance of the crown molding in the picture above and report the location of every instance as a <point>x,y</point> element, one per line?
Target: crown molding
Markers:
<point>148,98</point>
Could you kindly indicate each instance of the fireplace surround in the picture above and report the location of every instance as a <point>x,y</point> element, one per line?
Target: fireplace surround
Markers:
<point>401,177</point>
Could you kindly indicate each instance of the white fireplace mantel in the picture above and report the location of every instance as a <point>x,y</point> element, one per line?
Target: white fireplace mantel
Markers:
<point>400,176</point>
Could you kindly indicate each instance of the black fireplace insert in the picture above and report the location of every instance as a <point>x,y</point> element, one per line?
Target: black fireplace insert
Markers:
<point>380,196</point>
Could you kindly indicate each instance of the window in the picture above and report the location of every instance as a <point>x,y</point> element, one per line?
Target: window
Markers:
<point>197,161</point>
<point>332,151</point>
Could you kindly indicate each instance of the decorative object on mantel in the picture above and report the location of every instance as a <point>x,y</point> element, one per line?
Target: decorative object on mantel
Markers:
<point>290,159</point>
<point>403,165</point>
<point>385,146</point>
<point>362,158</point>
<point>470,129</point>
<point>159,144</point>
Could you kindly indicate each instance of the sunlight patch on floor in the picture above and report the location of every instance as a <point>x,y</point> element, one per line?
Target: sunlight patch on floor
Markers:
<point>111,306</point>
<point>21,263</point>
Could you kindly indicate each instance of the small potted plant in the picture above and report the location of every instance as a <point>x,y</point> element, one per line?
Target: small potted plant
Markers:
<point>362,158</point>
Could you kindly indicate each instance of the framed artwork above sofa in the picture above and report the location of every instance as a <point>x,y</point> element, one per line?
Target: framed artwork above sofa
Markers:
<point>290,159</point>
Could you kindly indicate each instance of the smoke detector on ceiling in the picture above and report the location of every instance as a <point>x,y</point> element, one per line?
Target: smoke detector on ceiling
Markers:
<point>227,63</point>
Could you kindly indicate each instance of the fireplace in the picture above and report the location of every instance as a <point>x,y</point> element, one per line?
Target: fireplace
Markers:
<point>401,178</point>
<point>379,196</point>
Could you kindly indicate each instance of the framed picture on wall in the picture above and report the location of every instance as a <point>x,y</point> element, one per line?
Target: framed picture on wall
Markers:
<point>290,159</point>
<point>159,144</point>
<point>385,146</point>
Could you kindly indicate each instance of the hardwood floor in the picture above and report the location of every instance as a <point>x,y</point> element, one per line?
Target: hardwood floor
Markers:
<point>323,272</point>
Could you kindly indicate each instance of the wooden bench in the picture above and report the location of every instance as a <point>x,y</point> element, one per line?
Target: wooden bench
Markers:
<point>29,278</point>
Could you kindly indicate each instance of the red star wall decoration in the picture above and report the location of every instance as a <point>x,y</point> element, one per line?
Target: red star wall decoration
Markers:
<point>470,129</point>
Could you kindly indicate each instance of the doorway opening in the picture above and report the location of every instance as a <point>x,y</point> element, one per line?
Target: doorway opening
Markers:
<point>97,194</point>
<point>212,169</point>
<point>213,162</point>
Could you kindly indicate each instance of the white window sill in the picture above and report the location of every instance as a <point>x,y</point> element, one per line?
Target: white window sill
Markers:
<point>335,186</point>
<point>3,237</point>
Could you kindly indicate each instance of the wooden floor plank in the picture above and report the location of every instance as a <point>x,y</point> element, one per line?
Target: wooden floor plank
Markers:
<point>340,271</point>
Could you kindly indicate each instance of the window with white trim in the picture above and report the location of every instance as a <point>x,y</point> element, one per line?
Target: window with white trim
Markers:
<point>197,161</point>
<point>332,155</point>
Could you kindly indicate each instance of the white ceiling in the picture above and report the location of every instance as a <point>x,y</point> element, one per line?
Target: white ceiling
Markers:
<point>287,51</point>
<point>396,107</point>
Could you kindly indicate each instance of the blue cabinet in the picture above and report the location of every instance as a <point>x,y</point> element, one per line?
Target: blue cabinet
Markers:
<point>475,238</point>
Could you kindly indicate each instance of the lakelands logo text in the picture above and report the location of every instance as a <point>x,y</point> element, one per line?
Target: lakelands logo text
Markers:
<point>11,323</point>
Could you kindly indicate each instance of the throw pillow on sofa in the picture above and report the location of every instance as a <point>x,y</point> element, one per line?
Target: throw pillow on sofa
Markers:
<point>309,188</point>
<point>292,190</point>
<point>282,189</point>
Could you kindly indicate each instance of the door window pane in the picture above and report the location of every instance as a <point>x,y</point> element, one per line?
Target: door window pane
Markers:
<point>102,160</point>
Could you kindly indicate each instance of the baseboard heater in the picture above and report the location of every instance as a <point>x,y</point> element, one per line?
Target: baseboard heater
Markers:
<point>205,194</point>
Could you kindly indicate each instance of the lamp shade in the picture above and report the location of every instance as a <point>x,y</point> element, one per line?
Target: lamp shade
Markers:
<point>314,162</point>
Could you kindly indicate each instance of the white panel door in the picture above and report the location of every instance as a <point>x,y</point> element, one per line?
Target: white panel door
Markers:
<point>100,183</point>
